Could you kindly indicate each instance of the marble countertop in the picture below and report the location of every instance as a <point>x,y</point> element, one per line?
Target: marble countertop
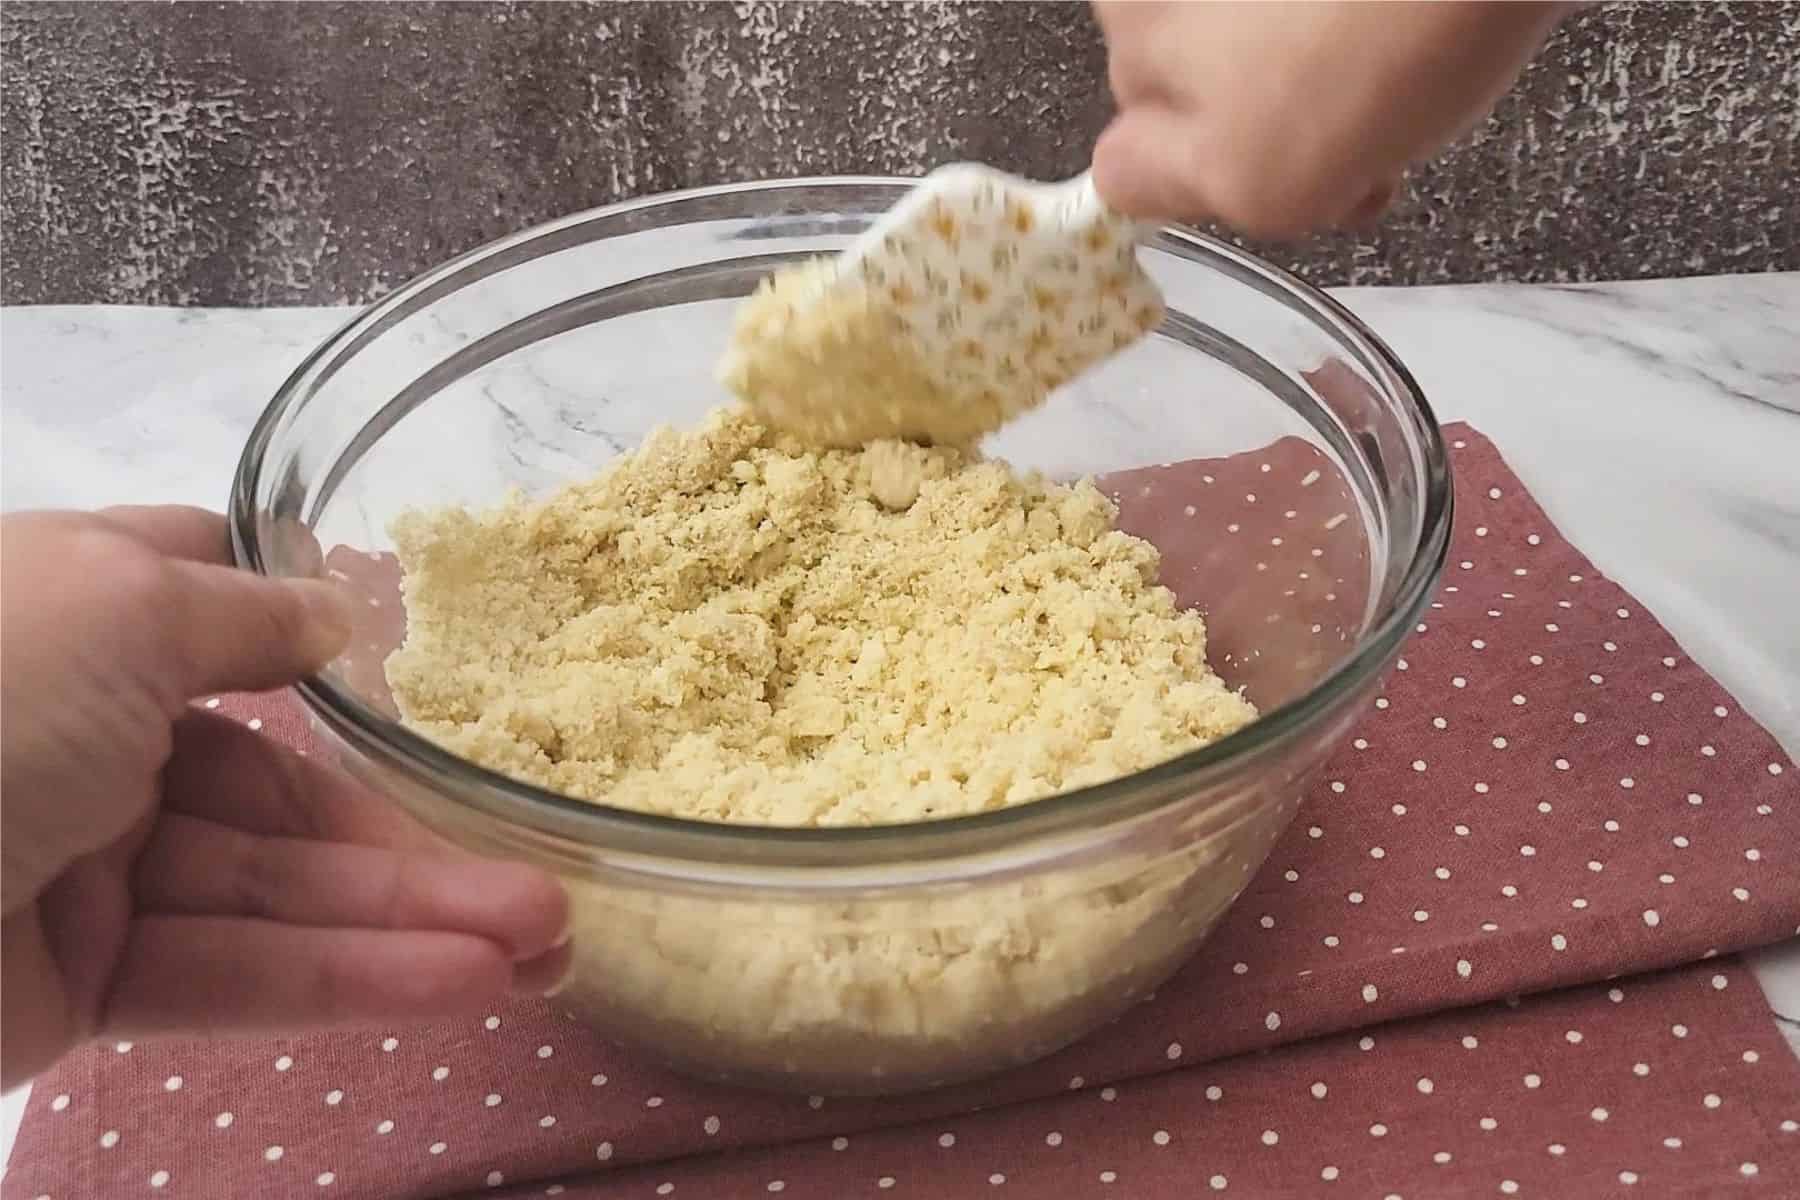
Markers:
<point>1658,423</point>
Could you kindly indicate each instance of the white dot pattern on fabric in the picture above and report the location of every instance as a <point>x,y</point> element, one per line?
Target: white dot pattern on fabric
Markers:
<point>1411,842</point>
<point>1323,1155</point>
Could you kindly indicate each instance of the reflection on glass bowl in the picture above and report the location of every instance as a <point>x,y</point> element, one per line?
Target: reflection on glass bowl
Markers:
<point>1275,452</point>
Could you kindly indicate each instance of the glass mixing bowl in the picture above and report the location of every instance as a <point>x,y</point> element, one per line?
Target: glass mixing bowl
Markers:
<point>1274,450</point>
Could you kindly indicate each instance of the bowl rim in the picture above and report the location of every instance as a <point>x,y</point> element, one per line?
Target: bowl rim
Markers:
<point>1080,811</point>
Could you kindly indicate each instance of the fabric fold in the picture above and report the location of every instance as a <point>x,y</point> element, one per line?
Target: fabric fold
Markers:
<point>1547,792</point>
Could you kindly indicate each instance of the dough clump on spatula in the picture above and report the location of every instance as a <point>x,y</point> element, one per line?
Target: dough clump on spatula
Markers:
<point>977,296</point>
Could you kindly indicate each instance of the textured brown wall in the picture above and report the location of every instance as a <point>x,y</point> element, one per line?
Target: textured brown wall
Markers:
<point>306,153</point>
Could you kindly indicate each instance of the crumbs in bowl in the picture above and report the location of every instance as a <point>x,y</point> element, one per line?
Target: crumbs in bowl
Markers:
<point>728,625</point>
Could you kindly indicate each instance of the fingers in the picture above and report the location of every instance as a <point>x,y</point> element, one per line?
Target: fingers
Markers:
<point>218,975</point>
<point>292,548</point>
<point>33,1004</point>
<point>1134,167</point>
<point>220,771</point>
<point>202,536</point>
<point>1374,203</point>
<point>143,593</point>
<point>1149,164</point>
<point>1153,163</point>
<point>1145,59</point>
<point>230,630</point>
<point>547,974</point>
<point>175,530</point>
<point>195,867</point>
<point>225,629</point>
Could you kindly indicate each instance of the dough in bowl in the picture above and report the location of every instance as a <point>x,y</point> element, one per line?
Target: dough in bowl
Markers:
<point>726,625</point>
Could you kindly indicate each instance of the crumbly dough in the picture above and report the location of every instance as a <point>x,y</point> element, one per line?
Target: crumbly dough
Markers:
<point>728,625</point>
<point>831,361</point>
<point>725,625</point>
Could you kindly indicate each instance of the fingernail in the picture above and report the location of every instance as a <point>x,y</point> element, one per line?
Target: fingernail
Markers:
<point>556,989</point>
<point>547,974</point>
<point>328,626</point>
<point>561,940</point>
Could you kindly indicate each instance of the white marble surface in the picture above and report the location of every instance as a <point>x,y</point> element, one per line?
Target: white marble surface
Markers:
<point>1658,423</point>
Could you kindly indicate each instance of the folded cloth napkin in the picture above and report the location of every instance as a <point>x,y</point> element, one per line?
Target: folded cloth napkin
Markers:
<point>1664,1085</point>
<point>1547,793</point>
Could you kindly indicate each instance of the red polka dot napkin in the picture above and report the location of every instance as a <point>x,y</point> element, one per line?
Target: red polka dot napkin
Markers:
<point>1671,1085</point>
<point>1546,793</point>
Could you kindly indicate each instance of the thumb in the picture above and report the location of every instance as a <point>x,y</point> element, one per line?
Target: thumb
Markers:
<point>230,630</point>
<point>1157,163</point>
<point>1141,166</point>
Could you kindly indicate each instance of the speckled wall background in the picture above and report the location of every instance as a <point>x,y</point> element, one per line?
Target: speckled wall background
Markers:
<point>306,153</point>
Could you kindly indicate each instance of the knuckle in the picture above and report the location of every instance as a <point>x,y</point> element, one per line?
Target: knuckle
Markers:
<point>130,573</point>
<point>1127,75</point>
<point>261,878</point>
<point>293,795</point>
<point>1265,202</point>
<point>275,615</point>
<point>1113,151</point>
<point>397,891</point>
<point>337,985</point>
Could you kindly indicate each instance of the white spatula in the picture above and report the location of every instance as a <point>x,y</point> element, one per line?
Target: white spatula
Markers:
<point>964,306</point>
